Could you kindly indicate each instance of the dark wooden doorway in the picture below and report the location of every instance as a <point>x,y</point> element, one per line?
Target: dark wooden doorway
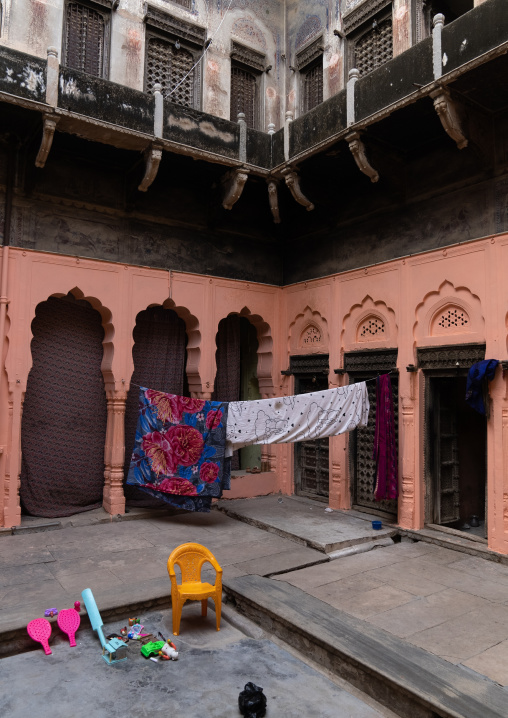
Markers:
<point>312,471</point>
<point>456,462</point>
<point>360,366</point>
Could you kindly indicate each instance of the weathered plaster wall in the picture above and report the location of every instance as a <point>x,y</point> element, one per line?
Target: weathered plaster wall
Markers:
<point>406,295</point>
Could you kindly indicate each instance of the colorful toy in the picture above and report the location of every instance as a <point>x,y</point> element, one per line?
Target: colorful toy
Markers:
<point>77,606</point>
<point>152,648</point>
<point>40,630</point>
<point>68,622</point>
<point>50,612</point>
<point>133,621</point>
<point>169,652</point>
<point>135,632</point>
<point>109,649</point>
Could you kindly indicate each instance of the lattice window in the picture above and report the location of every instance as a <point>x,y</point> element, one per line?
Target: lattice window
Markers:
<point>243,95</point>
<point>374,47</point>
<point>84,39</point>
<point>371,327</point>
<point>183,3</point>
<point>453,318</point>
<point>311,335</point>
<point>313,86</point>
<point>171,67</point>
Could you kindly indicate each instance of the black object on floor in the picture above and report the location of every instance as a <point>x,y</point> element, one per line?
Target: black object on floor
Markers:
<point>252,701</point>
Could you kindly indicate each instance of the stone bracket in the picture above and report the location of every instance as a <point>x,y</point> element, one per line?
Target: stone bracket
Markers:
<point>293,182</point>
<point>48,131</point>
<point>273,199</point>
<point>153,157</point>
<point>234,182</point>
<point>358,151</point>
<point>449,114</point>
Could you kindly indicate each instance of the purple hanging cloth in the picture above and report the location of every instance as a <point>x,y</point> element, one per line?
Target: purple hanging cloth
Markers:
<point>385,442</point>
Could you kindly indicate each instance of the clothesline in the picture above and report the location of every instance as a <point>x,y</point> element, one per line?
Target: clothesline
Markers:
<point>372,378</point>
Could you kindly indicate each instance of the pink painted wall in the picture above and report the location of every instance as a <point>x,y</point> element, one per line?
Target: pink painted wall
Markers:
<point>321,316</point>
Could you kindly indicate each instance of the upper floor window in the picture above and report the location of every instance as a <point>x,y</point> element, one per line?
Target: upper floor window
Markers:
<point>247,66</point>
<point>86,38</point>
<point>309,62</point>
<point>369,35</point>
<point>173,48</point>
<point>425,10</point>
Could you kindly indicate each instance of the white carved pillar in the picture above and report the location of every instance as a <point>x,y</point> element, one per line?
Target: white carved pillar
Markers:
<point>114,453</point>
<point>12,508</point>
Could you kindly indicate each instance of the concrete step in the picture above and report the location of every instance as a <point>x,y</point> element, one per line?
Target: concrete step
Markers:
<point>406,679</point>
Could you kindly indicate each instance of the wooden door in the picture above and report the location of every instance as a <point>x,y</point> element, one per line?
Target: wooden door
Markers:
<point>445,440</point>
<point>311,457</point>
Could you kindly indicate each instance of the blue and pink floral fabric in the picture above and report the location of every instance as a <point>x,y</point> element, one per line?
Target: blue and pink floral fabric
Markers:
<point>179,450</point>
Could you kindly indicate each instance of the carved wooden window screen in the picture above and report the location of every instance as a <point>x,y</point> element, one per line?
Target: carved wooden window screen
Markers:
<point>84,39</point>
<point>243,95</point>
<point>374,47</point>
<point>171,67</point>
<point>313,86</point>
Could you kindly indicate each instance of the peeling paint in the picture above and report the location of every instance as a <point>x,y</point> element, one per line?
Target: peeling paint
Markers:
<point>33,80</point>
<point>70,87</point>
<point>184,123</point>
<point>8,75</point>
<point>207,128</point>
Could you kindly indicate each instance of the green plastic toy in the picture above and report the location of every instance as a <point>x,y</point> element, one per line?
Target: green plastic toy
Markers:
<point>151,648</point>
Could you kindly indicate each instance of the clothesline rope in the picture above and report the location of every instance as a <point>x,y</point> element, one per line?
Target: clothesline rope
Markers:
<point>372,378</point>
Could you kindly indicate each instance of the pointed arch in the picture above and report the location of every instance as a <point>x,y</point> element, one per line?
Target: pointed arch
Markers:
<point>308,333</point>
<point>369,324</point>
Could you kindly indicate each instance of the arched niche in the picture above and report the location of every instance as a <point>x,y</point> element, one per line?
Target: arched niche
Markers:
<point>369,325</point>
<point>308,333</point>
<point>449,315</point>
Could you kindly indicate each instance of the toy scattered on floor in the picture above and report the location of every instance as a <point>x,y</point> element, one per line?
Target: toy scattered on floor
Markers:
<point>116,635</point>
<point>40,630</point>
<point>77,606</point>
<point>168,652</point>
<point>68,622</point>
<point>152,648</point>
<point>135,633</point>
<point>50,612</point>
<point>133,621</point>
<point>252,701</point>
<point>109,649</point>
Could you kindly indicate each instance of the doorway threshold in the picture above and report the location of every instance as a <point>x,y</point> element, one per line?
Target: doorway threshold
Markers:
<point>458,532</point>
<point>456,541</point>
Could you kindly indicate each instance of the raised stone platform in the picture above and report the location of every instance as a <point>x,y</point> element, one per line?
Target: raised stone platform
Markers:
<point>306,522</point>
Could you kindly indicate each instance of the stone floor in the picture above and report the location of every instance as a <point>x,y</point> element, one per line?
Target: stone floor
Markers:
<point>76,682</point>
<point>450,604</point>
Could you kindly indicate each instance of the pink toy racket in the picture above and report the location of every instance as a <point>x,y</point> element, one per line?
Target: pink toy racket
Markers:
<point>40,630</point>
<point>68,622</point>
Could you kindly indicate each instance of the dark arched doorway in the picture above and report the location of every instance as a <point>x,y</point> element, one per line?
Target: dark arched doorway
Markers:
<point>159,356</point>
<point>64,415</point>
<point>236,377</point>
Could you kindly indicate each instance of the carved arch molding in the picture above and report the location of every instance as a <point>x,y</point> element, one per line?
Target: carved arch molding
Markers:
<point>369,323</point>
<point>308,333</point>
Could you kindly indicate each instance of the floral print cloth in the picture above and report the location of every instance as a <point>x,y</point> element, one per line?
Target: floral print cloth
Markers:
<point>179,450</point>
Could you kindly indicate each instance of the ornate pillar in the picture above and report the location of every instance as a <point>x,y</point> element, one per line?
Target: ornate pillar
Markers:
<point>12,459</point>
<point>407,454</point>
<point>114,453</point>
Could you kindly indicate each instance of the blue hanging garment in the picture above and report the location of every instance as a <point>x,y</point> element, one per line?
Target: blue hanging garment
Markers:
<point>477,378</point>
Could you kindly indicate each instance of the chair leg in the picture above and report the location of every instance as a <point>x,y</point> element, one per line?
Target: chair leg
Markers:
<point>177,615</point>
<point>218,605</point>
<point>204,607</point>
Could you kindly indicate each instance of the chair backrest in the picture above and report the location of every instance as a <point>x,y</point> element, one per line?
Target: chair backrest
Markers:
<point>190,557</point>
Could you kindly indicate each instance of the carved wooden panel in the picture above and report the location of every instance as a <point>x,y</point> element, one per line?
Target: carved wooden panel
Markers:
<point>450,357</point>
<point>374,47</point>
<point>313,86</point>
<point>312,457</point>
<point>170,67</point>
<point>243,95</point>
<point>84,39</point>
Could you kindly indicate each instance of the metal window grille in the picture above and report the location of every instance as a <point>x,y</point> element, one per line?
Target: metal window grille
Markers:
<point>84,40</point>
<point>243,95</point>
<point>313,87</point>
<point>375,47</point>
<point>168,65</point>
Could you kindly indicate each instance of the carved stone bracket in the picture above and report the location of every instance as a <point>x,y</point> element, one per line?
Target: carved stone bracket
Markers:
<point>48,131</point>
<point>449,114</point>
<point>234,182</point>
<point>293,182</point>
<point>153,157</point>
<point>358,151</point>
<point>273,199</point>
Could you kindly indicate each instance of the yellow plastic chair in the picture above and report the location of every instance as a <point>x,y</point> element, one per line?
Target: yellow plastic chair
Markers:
<point>190,557</point>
